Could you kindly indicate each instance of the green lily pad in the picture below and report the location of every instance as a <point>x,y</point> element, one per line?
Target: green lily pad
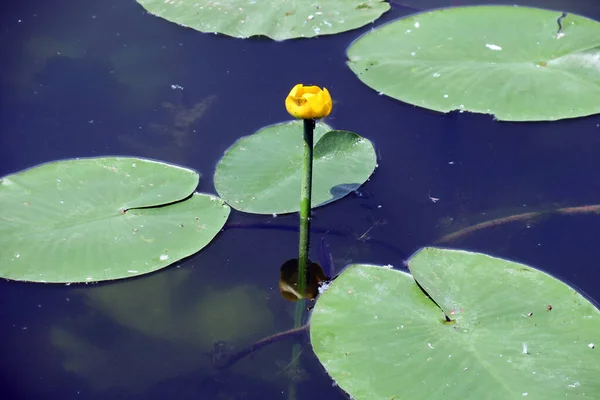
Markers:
<point>91,219</point>
<point>380,337</point>
<point>261,173</point>
<point>503,60</point>
<point>277,19</point>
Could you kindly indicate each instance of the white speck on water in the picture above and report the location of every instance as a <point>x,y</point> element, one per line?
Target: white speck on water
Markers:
<point>493,47</point>
<point>445,96</point>
<point>559,35</point>
<point>274,215</point>
<point>408,31</point>
<point>436,75</point>
<point>327,23</point>
<point>175,87</point>
<point>58,180</point>
<point>310,17</point>
<point>525,348</point>
<point>389,266</point>
<point>164,257</point>
<point>17,255</point>
<point>430,346</point>
<point>591,345</point>
<point>61,202</point>
<point>380,93</point>
<point>525,394</point>
<point>132,271</point>
<point>417,24</point>
<point>375,316</point>
<point>574,385</point>
<point>133,165</point>
<point>89,278</point>
<point>413,54</point>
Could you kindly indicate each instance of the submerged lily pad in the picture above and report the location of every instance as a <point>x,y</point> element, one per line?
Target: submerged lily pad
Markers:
<point>93,219</point>
<point>513,331</point>
<point>277,19</point>
<point>504,60</point>
<point>137,318</point>
<point>261,173</point>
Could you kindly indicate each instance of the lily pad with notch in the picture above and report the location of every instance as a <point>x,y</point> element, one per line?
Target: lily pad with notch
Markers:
<point>476,325</point>
<point>96,219</point>
<point>517,63</point>
<point>261,173</point>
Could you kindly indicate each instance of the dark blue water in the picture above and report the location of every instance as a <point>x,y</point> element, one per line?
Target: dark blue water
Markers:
<point>83,78</point>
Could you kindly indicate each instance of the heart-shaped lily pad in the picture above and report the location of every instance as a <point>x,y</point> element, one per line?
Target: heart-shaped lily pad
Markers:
<point>93,219</point>
<point>518,63</point>
<point>261,173</point>
<point>512,331</point>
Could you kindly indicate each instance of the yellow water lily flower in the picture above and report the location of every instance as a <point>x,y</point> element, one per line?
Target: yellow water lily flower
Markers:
<point>308,102</point>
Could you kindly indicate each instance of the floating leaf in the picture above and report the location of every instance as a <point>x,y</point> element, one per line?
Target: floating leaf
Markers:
<point>380,336</point>
<point>277,19</point>
<point>89,219</point>
<point>261,173</point>
<point>503,60</point>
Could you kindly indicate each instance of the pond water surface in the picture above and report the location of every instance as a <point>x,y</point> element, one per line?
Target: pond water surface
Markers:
<point>84,78</point>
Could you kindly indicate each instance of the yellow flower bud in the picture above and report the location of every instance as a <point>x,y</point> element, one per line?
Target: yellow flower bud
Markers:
<point>308,102</point>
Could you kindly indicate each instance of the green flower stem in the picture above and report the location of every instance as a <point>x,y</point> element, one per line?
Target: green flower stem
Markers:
<point>305,203</point>
<point>305,206</point>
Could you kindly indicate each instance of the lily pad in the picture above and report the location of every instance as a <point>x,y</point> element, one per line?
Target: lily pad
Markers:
<point>513,331</point>
<point>277,19</point>
<point>93,219</point>
<point>261,173</point>
<point>504,60</point>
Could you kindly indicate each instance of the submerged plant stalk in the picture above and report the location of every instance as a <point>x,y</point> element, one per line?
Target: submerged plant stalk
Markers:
<point>230,359</point>
<point>595,208</point>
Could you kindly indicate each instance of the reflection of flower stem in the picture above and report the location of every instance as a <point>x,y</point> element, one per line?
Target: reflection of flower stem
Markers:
<point>518,217</point>
<point>290,334</point>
